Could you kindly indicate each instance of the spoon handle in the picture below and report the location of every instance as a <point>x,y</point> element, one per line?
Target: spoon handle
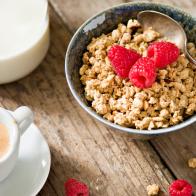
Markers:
<point>190,58</point>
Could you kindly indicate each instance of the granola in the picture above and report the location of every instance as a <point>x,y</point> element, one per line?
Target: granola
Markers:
<point>170,100</point>
<point>152,189</point>
<point>192,163</point>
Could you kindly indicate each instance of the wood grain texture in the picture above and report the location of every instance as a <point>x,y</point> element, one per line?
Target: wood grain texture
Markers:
<point>108,161</point>
<point>176,149</point>
<point>75,12</point>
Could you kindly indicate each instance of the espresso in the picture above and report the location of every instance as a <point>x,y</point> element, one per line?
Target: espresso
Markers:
<point>4,140</point>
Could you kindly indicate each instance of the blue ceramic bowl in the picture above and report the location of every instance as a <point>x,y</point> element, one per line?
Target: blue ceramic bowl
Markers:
<point>105,22</point>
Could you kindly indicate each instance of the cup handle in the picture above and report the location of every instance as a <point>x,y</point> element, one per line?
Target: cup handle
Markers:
<point>24,118</point>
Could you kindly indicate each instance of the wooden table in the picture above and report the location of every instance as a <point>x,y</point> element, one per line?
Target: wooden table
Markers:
<point>108,161</point>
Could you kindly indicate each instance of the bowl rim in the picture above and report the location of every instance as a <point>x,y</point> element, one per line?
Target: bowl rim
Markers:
<point>90,111</point>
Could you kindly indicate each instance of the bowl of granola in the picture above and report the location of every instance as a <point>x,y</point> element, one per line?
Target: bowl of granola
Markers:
<point>112,75</point>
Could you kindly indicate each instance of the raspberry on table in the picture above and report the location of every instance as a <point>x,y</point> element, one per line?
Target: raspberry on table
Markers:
<point>122,59</point>
<point>143,73</point>
<point>163,53</point>
<point>180,188</point>
<point>75,188</point>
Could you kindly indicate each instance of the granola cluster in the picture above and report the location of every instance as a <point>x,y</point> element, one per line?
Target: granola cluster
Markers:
<point>153,190</point>
<point>192,163</point>
<point>170,100</point>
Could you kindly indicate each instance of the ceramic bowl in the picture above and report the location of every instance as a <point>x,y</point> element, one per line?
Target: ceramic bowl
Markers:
<point>105,22</point>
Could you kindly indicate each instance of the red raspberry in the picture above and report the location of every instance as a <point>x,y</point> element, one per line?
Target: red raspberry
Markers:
<point>76,188</point>
<point>163,53</point>
<point>180,188</point>
<point>143,73</point>
<point>122,59</point>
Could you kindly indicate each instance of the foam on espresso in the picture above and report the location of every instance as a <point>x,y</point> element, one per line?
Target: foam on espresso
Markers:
<point>4,140</point>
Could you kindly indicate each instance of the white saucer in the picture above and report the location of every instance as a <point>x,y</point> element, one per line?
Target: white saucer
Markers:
<point>32,168</point>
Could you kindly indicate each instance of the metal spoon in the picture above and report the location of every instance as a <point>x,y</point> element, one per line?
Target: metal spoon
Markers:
<point>168,27</point>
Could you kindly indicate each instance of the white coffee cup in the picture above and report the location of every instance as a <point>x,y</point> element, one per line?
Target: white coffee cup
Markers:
<point>16,123</point>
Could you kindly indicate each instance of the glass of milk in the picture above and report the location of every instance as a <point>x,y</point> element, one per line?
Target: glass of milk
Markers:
<point>24,37</point>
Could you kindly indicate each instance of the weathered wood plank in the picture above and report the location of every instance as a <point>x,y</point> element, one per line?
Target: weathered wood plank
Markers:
<point>176,149</point>
<point>75,12</point>
<point>81,148</point>
<point>188,5</point>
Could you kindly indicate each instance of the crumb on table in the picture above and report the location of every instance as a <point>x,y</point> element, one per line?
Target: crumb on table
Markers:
<point>192,163</point>
<point>153,189</point>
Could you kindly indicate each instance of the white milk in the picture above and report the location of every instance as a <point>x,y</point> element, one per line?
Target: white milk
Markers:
<point>24,37</point>
<point>20,24</point>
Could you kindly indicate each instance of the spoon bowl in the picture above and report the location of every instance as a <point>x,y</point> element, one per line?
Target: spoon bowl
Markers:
<point>167,27</point>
